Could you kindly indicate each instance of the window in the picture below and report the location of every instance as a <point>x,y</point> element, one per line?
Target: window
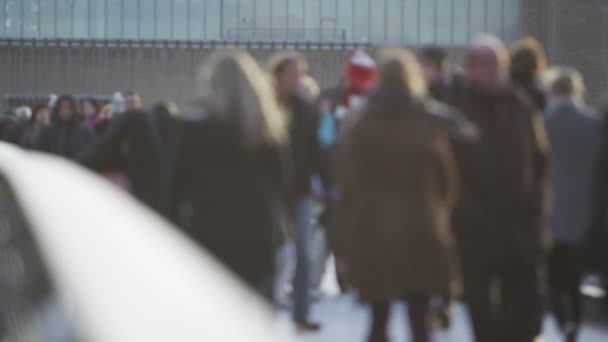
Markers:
<point>113,19</point>
<point>377,21</point>
<point>345,20</point>
<point>180,19</point>
<point>130,19</point>
<point>427,21</point>
<point>460,24</point>
<point>164,27</point>
<point>443,26</point>
<point>196,18</point>
<point>147,16</point>
<point>361,24</point>
<point>212,19</point>
<point>13,24</point>
<point>477,17</point>
<point>279,19</point>
<point>30,18</point>
<point>81,19</point>
<point>510,20</point>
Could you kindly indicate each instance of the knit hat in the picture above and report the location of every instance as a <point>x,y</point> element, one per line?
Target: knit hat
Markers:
<point>360,75</point>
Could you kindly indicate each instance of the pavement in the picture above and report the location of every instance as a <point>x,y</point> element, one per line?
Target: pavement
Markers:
<point>344,320</point>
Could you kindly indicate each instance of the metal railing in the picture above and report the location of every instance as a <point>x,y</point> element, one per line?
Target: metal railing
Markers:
<point>31,100</point>
<point>287,34</point>
<point>184,44</point>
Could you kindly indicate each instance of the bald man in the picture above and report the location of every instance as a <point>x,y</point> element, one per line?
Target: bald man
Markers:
<point>498,221</point>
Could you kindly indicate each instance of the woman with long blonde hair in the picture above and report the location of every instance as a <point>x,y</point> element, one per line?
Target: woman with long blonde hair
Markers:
<point>230,167</point>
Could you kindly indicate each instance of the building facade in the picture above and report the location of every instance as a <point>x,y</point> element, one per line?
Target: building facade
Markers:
<point>101,46</point>
<point>381,22</point>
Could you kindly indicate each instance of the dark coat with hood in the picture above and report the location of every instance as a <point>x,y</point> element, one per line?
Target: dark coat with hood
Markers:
<point>140,145</point>
<point>66,138</point>
<point>398,181</point>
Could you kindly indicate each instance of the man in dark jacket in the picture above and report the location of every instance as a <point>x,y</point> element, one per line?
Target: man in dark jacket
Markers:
<point>498,220</point>
<point>287,70</point>
<point>65,136</point>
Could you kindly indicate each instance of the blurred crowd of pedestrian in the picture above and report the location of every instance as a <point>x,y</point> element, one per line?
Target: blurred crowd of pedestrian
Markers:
<point>485,182</point>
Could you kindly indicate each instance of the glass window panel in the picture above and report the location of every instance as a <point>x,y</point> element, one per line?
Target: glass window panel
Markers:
<point>312,19</point>
<point>13,18</point>
<point>30,18</point>
<point>261,22</point>
<point>511,20</point>
<point>113,19</point>
<point>3,18</point>
<point>345,19</point>
<point>163,19</point>
<point>296,20</point>
<point>180,19</point>
<point>411,27</point>
<point>361,14</point>
<point>213,19</point>
<point>478,19</point>
<point>444,22</point>
<point>279,20</point>
<point>494,17</point>
<point>394,22</point>
<point>197,22</point>
<point>427,21</point>
<point>377,21</point>
<point>47,18</point>
<point>327,25</point>
<point>97,18</point>
<point>81,18</point>
<point>147,19</point>
<point>460,26</point>
<point>130,19</point>
<point>64,19</point>
<point>228,16</point>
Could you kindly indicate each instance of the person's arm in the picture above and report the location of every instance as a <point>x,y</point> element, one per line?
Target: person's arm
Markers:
<point>105,153</point>
<point>449,180</point>
<point>600,188</point>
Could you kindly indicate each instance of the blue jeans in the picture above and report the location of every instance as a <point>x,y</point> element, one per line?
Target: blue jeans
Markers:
<point>303,210</point>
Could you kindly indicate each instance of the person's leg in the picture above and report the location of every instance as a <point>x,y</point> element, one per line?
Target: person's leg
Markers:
<point>521,309</point>
<point>477,281</point>
<point>303,227</point>
<point>380,315</point>
<point>557,285</point>
<point>420,317</point>
<point>572,292</point>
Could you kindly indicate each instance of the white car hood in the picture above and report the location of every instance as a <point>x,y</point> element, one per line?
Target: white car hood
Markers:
<point>126,274</point>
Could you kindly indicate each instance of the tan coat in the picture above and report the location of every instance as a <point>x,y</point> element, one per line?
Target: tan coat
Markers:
<point>398,183</point>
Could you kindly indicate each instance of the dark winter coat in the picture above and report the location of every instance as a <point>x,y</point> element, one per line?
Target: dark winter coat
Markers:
<point>504,177</point>
<point>397,183</point>
<point>131,145</point>
<point>574,134</point>
<point>308,156</point>
<point>235,194</point>
<point>64,138</point>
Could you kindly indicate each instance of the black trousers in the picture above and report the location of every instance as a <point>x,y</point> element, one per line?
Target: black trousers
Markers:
<point>503,298</point>
<point>564,281</point>
<point>419,318</point>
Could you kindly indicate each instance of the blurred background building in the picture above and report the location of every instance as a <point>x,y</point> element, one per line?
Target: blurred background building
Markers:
<point>100,46</point>
<point>394,22</point>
